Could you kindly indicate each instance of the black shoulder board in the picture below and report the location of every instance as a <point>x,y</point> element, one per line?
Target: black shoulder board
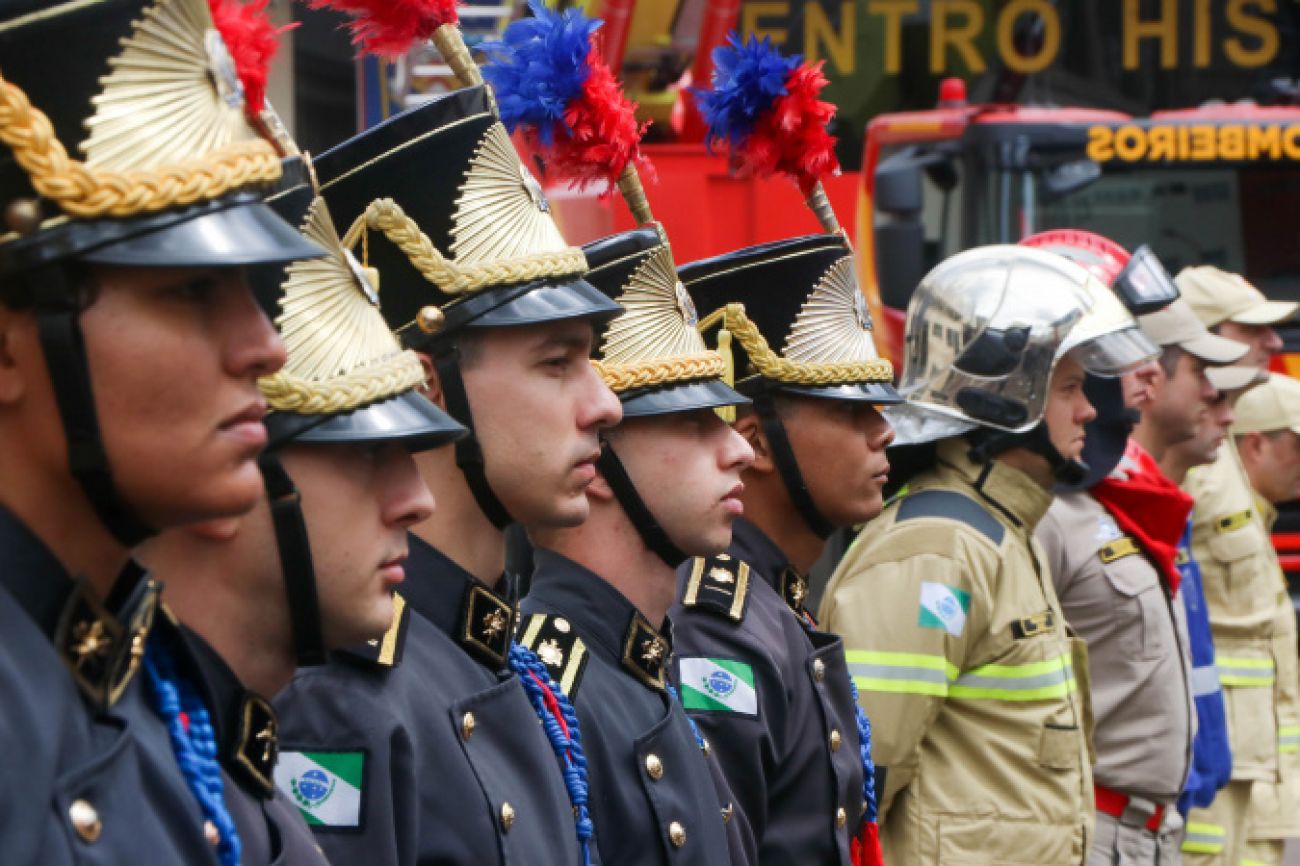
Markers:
<point>719,584</point>
<point>387,650</point>
<point>557,644</point>
<point>954,506</point>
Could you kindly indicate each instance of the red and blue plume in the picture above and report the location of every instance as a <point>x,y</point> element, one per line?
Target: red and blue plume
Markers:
<point>252,40</point>
<point>765,108</point>
<point>552,84</point>
<point>391,28</point>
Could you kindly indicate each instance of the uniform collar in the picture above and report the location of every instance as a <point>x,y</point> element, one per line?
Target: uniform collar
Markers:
<point>751,545</point>
<point>1267,511</point>
<point>245,726</point>
<point>1012,493</point>
<point>609,623</point>
<point>101,643</point>
<point>467,610</point>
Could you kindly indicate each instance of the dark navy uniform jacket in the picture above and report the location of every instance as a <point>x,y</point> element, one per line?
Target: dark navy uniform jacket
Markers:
<point>87,774</point>
<point>789,747</point>
<point>653,798</point>
<point>271,829</point>
<point>424,749</point>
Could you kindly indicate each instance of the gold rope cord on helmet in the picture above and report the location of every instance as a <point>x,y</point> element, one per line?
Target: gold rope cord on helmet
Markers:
<point>770,365</point>
<point>85,192</point>
<point>354,390</point>
<point>661,371</point>
<point>386,216</point>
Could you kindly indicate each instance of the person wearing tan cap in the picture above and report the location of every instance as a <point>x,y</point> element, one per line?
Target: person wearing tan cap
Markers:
<point>1110,544</point>
<point>1254,629</point>
<point>1265,436</point>
<point>1231,307</point>
<point>1211,766</point>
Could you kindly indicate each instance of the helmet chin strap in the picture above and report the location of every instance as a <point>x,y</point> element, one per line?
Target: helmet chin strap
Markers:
<point>987,444</point>
<point>295,561</point>
<point>652,533</point>
<point>788,466</point>
<point>469,454</point>
<point>58,321</point>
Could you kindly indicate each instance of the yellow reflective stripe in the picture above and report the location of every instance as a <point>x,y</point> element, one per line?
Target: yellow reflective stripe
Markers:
<point>1288,738</point>
<point>1247,862</point>
<point>1034,681</point>
<point>1245,671</point>
<point>1204,838</point>
<point>900,673</point>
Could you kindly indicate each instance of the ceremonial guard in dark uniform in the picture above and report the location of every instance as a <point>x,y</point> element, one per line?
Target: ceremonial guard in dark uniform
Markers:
<point>596,610</point>
<point>434,725</point>
<point>131,184</point>
<point>768,689</point>
<point>344,417</point>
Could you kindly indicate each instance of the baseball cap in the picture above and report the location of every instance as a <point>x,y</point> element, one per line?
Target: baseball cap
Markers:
<point>1177,325</point>
<point>1217,296</point>
<point>1274,405</point>
<point>1232,378</point>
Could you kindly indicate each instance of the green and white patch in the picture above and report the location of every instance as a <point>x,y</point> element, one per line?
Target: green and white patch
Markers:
<point>943,607</point>
<point>326,786</point>
<point>719,685</point>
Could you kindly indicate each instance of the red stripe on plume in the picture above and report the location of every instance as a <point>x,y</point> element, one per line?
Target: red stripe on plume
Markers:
<point>390,28</point>
<point>603,135</point>
<point>252,41</point>
<point>792,139</point>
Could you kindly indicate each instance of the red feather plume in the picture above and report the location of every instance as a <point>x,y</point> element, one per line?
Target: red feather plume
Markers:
<point>603,135</point>
<point>252,41</point>
<point>390,28</point>
<point>792,139</point>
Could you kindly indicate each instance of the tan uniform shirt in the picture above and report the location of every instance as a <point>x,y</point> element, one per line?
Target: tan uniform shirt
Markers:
<point>1275,808</point>
<point>957,645</point>
<point>1138,657</point>
<point>1240,576</point>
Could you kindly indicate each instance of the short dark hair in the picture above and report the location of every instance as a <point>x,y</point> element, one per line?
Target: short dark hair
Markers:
<point>1168,361</point>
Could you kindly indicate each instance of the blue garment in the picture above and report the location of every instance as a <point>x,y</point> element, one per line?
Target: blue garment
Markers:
<point>1211,754</point>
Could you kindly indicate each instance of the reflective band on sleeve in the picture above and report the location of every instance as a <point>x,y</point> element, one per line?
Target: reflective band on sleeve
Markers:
<point>901,673</point>
<point>1205,681</point>
<point>1248,862</point>
<point>1035,681</point>
<point>1288,738</point>
<point>1204,838</point>
<point>918,674</point>
<point>1246,672</point>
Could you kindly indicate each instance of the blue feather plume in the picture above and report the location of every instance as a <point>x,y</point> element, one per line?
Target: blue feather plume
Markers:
<point>539,67</point>
<point>747,80</point>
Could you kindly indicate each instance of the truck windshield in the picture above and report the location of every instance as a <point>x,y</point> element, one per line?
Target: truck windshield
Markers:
<point>1239,218</point>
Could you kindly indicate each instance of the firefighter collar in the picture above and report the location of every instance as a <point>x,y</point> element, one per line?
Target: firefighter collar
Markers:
<point>1011,493</point>
<point>101,643</point>
<point>751,545</point>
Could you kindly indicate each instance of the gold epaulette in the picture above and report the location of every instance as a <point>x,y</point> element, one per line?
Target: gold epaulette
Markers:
<point>559,647</point>
<point>1118,549</point>
<point>719,584</point>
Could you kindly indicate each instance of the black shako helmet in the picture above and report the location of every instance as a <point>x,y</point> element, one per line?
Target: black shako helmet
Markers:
<point>652,356</point>
<point>347,381</point>
<point>437,200</point>
<point>793,320</point>
<point>125,141</point>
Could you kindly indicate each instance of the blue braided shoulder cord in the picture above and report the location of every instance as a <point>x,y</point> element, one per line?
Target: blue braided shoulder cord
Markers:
<point>695,729</point>
<point>195,749</point>
<point>868,764</point>
<point>568,749</point>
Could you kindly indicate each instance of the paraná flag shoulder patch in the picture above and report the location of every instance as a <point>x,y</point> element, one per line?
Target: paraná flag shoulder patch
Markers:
<point>326,786</point>
<point>718,685</point>
<point>944,607</point>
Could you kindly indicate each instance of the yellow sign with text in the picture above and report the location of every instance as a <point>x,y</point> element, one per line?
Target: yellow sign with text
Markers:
<point>1194,142</point>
